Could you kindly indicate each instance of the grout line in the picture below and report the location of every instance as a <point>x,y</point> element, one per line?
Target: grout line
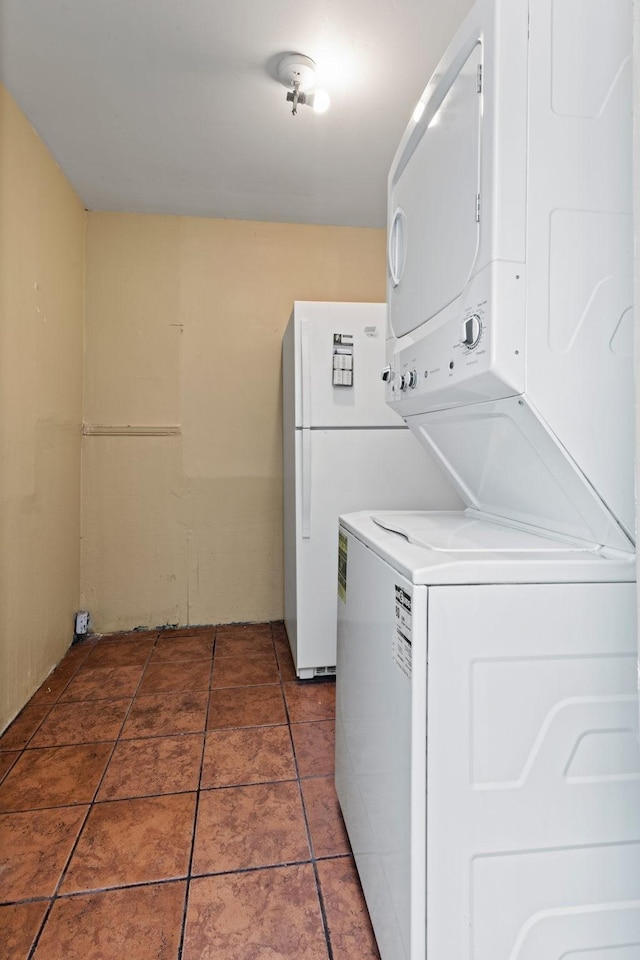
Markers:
<point>183,928</point>
<point>18,754</point>
<point>13,903</point>
<point>179,879</point>
<point>124,886</point>
<point>48,707</point>
<point>323,913</point>
<point>36,939</point>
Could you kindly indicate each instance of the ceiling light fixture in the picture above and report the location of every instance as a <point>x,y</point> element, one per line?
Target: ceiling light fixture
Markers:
<point>298,74</point>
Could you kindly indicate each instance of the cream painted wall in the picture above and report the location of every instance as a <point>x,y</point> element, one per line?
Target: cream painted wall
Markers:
<point>184,322</point>
<point>42,226</point>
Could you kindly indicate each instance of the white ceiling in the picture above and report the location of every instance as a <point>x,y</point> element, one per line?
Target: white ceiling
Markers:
<point>171,106</point>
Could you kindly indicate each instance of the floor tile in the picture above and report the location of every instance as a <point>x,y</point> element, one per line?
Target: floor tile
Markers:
<point>202,631</point>
<point>310,701</point>
<point>23,727</point>
<point>314,746</point>
<point>280,639</point>
<point>85,721</point>
<point>249,755</point>
<point>133,841</point>
<point>271,914</point>
<point>244,671</point>
<point>168,649</point>
<point>328,834</point>
<point>7,760</point>
<point>246,707</point>
<point>163,714</point>
<point>176,677</point>
<point>54,777</point>
<point>19,925</point>
<point>120,653</point>
<point>103,683</point>
<point>285,664</point>
<point>34,848</point>
<point>346,911</point>
<point>140,924</point>
<point>78,652</point>
<point>239,640</point>
<point>250,826</point>
<point>54,686</point>
<point>141,768</point>
<point>127,635</point>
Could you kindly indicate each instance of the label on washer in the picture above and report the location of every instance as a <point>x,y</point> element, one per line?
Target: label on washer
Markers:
<point>342,566</point>
<point>402,632</point>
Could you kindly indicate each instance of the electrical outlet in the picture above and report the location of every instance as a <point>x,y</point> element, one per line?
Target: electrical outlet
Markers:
<point>82,622</point>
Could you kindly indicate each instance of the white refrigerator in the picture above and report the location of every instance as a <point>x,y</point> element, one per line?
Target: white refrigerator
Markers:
<point>344,449</point>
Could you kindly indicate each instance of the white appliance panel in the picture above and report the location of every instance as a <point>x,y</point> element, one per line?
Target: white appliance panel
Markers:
<point>430,265</point>
<point>382,793</point>
<point>502,159</point>
<point>504,461</point>
<point>473,555</point>
<point>547,312</point>
<point>533,768</point>
<point>580,240</point>
<point>338,471</point>
<point>318,403</point>
<point>533,772</point>
<point>289,433</point>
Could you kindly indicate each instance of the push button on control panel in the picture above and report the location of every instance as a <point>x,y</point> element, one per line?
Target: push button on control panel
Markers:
<point>471,330</point>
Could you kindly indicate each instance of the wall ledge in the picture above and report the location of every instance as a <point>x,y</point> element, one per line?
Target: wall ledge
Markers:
<point>129,430</point>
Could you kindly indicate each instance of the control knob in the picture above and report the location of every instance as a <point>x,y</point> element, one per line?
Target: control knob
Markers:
<point>471,330</point>
<point>387,374</point>
<point>404,382</point>
<point>412,379</point>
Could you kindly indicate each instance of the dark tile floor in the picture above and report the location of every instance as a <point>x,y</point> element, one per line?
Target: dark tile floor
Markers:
<point>170,795</point>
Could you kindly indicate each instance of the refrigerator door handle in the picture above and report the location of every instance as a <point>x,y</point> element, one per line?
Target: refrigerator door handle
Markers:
<point>305,469</point>
<point>305,374</point>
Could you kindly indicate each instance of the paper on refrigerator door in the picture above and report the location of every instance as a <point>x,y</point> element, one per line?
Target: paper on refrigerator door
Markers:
<point>342,360</point>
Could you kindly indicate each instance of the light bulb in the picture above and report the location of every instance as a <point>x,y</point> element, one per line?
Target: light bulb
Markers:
<point>321,101</point>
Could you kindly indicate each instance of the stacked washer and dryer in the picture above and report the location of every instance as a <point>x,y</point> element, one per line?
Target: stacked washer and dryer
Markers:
<point>487,754</point>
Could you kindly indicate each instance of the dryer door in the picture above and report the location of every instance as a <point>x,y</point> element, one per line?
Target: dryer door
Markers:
<point>434,229</point>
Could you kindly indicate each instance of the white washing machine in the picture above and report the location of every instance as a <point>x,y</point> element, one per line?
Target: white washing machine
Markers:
<point>488,766</point>
<point>487,754</point>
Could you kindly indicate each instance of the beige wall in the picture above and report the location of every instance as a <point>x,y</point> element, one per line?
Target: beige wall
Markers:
<point>41,305</point>
<point>184,321</point>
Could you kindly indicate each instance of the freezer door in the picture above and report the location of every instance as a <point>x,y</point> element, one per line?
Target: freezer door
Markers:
<point>331,335</point>
<point>338,471</point>
<point>380,745</point>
